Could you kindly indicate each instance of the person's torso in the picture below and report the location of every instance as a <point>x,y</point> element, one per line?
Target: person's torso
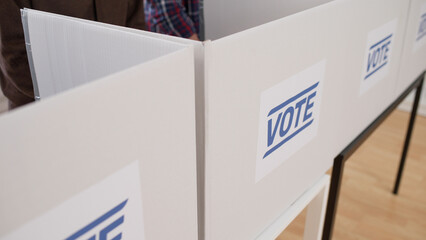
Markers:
<point>108,11</point>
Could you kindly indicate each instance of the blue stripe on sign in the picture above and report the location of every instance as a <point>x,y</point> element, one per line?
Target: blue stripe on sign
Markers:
<point>97,221</point>
<point>375,45</point>
<point>287,139</point>
<point>375,70</point>
<point>277,108</point>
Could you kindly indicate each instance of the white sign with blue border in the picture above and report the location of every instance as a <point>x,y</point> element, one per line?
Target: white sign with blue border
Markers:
<point>421,29</point>
<point>289,118</point>
<point>377,58</point>
<point>110,209</point>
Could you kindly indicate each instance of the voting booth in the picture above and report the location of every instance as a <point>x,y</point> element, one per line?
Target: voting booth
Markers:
<point>111,159</point>
<point>284,98</point>
<point>280,89</point>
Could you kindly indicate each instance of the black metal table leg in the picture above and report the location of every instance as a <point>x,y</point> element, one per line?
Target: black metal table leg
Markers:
<point>408,136</point>
<point>339,161</point>
<point>333,196</point>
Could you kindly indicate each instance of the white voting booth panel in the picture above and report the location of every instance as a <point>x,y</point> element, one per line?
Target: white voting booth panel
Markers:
<point>308,69</point>
<point>115,157</point>
<point>413,60</point>
<point>154,44</point>
<point>68,52</point>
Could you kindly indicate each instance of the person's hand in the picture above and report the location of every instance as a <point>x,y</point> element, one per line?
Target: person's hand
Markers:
<point>194,37</point>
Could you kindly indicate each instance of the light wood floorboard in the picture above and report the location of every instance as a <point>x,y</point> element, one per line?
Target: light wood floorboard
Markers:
<point>367,209</point>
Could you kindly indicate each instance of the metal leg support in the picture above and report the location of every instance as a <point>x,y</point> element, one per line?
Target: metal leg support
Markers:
<point>333,196</point>
<point>339,161</point>
<point>408,136</point>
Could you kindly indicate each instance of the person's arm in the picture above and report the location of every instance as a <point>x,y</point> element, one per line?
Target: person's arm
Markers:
<point>15,75</point>
<point>169,17</point>
<point>194,37</point>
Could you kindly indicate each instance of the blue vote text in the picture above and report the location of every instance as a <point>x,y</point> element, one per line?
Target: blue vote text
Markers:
<point>290,118</point>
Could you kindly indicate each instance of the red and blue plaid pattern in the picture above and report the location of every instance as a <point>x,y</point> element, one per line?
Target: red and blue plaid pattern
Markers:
<point>173,17</point>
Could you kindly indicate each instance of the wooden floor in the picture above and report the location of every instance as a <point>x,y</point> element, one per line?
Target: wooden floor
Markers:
<point>367,208</point>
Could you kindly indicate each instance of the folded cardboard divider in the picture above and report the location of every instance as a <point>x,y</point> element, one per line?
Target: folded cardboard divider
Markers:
<point>274,104</point>
<point>113,156</point>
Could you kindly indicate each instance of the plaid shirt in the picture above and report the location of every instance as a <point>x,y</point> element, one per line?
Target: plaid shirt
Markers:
<point>173,17</point>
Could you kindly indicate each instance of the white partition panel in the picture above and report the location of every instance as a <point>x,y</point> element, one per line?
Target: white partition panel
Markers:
<point>68,52</point>
<point>225,17</point>
<point>284,98</point>
<point>115,156</point>
<point>413,60</point>
<point>118,48</point>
